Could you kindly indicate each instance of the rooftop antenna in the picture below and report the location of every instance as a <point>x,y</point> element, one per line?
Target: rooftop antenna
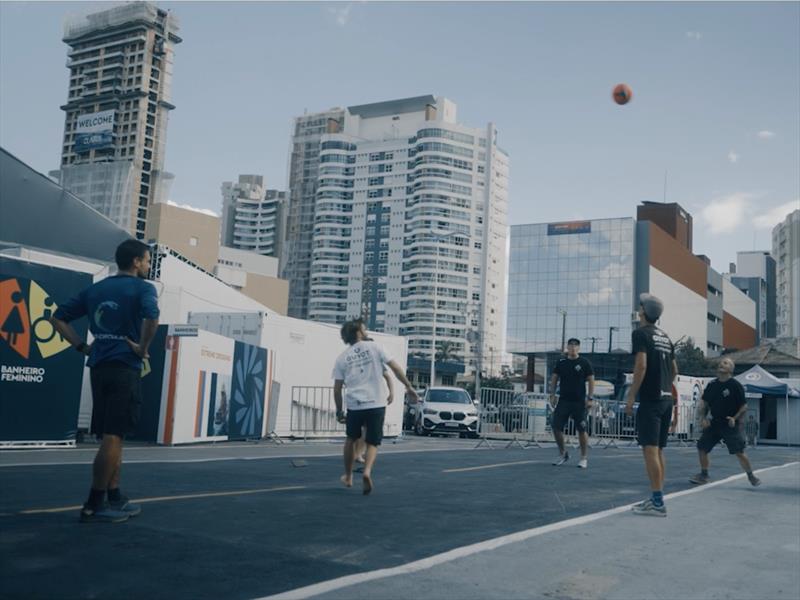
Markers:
<point>665,186</point>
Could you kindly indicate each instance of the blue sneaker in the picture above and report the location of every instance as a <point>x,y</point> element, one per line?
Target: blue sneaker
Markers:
<point>104,514</point>
<point>126,506</point>
<point>648,509</point>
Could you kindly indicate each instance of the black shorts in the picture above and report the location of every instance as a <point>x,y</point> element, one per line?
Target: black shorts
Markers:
<point>566,409</point>
<point>371,419</point>
<point>653,419</point>
<point>116,399</point>
<point>721,431</point>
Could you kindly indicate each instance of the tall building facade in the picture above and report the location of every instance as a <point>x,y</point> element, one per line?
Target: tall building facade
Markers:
<point>304,158</point>
<point>252,217</point>
<point>755,275</point>
<point>583,279</point>
<point>573,279</point>
<point>117,110</point>
<point>786,250</point>
<point>409,231</point>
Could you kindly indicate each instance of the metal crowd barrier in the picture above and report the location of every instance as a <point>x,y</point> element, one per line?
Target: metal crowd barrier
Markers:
<point>524,420</point>
<point>313,412</point>
<point>609,426</point>
<point>520,419</point>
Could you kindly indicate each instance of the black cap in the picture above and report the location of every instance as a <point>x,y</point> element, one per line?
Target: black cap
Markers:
<point>574,341</point>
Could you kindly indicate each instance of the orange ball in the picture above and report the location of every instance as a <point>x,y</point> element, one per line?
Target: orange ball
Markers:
<point>622,93</point>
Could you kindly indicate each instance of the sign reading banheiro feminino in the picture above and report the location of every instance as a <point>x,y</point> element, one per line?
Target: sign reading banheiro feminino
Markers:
<point>40,373</point>
<point>95,130</point>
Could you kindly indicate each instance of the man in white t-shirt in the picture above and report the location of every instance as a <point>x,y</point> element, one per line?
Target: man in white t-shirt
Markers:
<point>360,369</point>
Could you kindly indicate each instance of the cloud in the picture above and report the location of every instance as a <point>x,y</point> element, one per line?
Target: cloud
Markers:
<point>342,13</point>
<point>767,219</point>
<point>733,157</point>
<point>765,134</point>
<point>725,214</point>
<point>694,35</point>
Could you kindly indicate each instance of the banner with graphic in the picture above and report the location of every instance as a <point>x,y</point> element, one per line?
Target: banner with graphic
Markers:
<point>40,373</point>
<point>249,396</point>
<point>95,130</point>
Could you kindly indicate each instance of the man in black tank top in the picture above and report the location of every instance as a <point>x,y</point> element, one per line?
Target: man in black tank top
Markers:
<point>653,373</point>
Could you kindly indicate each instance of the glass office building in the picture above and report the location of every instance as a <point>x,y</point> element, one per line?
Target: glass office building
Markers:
<point>578,274</point>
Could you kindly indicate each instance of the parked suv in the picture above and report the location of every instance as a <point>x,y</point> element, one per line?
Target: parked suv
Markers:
<point>447,410</point>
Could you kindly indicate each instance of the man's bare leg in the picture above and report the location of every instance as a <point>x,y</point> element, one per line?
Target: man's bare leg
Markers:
<point>372,454</point>
<point>107,462</point>
<point>349,454</point>
<point>653,464</point>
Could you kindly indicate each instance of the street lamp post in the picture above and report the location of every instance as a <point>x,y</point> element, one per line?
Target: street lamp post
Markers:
<point>611,331</point>
<point>563,329</point>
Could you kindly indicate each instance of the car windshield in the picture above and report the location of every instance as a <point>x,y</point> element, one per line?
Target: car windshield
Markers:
<point>452,396</point>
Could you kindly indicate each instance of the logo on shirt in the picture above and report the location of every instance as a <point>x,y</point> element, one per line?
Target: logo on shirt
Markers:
<point>578,368</point>
<point>25,311</point>
<point>108,317</point>
<point>726,393</point>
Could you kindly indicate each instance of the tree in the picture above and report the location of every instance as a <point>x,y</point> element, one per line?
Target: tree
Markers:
<point>497,383</point>
<point>445,350</point>
<point>691,360</point>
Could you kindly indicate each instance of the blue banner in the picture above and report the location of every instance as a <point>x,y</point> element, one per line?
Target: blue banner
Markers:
<point>248,391</point>
<point>569,228</point>
<point>40,373</point>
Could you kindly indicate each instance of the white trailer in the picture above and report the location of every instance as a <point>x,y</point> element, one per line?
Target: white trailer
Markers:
<point>304,355</point>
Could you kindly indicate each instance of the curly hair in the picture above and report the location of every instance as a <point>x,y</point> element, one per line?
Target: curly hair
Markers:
<point>350,331</point>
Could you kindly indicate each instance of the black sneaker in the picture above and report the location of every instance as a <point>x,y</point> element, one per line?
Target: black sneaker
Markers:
<point>699,479</point>
<point>103,514</point>
<point>754,481</point>
<point>561,459</point>
<point>125,506</point>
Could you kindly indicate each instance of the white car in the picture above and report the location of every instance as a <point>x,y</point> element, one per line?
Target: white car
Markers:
<point>447,410</point>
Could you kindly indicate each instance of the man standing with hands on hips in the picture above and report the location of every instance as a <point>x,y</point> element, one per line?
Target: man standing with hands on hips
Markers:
<point>123,318</point>
<point>360,369</point>
<point>653,373</point>
<point>574,372</point>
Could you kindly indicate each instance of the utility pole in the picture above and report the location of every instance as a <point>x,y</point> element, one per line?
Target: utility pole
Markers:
<point>594,339</point>
<point>611,331</point>
<point>563,330</point>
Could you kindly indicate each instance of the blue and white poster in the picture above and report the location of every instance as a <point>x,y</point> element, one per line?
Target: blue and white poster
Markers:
<point>95,130</point>
<point>248,393</point>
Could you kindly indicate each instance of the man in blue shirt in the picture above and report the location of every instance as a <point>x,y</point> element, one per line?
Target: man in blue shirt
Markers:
<point>123,318</point>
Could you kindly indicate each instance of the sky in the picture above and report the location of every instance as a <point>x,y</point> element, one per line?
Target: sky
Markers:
<point>716,91</point>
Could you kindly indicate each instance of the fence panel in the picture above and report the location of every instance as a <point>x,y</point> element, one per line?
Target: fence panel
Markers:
<point>313,412</point>
<point>518,418</point>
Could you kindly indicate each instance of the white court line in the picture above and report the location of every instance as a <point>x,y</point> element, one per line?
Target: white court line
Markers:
<point>451,555</point>
<point>222,458</point>
<point>528,462</point>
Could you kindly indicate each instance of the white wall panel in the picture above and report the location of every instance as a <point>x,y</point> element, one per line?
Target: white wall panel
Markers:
<point>684,309</point>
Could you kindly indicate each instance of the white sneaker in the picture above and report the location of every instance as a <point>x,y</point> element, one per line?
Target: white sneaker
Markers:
<point>583,463</point>
<point>561,459</point>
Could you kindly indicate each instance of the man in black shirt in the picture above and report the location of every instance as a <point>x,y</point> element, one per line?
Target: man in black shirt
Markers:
<point>725,397</point>
<point>653,373</point>
<point>574,372</point>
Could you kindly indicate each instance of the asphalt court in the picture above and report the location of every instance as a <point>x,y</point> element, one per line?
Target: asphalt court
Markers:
<point>248,528</point>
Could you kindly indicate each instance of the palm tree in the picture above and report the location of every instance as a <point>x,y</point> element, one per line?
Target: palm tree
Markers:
<point>445,350</point>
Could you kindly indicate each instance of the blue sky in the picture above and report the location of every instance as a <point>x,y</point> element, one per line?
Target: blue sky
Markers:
<point>716,95</point>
